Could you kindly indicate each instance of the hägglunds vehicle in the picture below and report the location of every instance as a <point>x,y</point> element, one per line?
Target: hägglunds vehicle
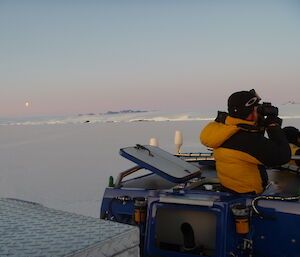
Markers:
<point>181,210</point>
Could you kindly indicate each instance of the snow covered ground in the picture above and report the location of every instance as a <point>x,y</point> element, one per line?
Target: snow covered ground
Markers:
<point>67,165</point>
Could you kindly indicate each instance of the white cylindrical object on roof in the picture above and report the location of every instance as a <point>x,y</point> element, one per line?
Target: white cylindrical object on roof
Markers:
<point>178,140</point>
<point>153,141</point>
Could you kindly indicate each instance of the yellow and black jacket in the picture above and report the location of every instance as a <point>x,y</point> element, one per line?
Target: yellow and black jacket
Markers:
<point>241,152</point>
<point>295,151</point>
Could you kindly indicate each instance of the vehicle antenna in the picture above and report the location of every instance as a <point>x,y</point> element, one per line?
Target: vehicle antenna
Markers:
<point>178,140</point>
<point>153,141</point>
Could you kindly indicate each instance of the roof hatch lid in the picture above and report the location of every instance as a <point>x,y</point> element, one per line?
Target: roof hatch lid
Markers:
<point>161,162</point>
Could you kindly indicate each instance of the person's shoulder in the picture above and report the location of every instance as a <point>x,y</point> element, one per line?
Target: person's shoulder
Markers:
<point>251,133</point>
<point>245,138</point>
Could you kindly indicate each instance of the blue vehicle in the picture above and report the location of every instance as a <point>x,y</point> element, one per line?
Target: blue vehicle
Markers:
<point>181,211</point>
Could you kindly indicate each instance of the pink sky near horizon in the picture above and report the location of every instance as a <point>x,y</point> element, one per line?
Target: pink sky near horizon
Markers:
<point>91,56</point>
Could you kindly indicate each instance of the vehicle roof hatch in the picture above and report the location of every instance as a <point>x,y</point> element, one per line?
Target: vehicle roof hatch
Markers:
<point>160,162</point>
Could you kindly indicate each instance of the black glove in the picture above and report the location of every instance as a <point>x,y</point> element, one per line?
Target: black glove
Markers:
<point>273,120</point>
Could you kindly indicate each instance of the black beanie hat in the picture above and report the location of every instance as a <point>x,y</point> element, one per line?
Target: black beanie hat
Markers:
<point>241,104</point>
<point>292,134</point>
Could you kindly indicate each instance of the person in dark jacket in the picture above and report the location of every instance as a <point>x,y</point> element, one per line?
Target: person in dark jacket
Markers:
<point>293,136</point>
<point>241,150</point>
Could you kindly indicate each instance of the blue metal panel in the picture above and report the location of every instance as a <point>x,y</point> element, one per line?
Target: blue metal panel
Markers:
<point>226,238</point>
<point>118,204</point>
<point>278,233</point>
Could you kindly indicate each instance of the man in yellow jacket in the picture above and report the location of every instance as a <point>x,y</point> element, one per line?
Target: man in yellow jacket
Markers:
<point>240,149</point>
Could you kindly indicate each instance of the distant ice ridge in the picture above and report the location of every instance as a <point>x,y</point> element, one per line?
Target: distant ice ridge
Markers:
<point>285,112</point>
<point>110,118</point>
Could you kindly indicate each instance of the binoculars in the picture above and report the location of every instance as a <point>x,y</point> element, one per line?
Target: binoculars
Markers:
<point>267,109</point>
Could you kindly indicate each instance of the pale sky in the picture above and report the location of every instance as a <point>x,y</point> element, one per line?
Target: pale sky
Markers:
<point>79,56</point>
